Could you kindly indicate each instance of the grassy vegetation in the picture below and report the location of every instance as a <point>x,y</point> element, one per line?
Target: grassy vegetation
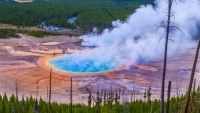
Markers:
<point>38,33</point>
<point>12,33</point>
<point>90,13</point>
<point>5,33</point>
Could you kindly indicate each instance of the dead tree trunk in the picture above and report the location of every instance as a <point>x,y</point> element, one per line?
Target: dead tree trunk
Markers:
<point>16,85</point>
<point>47,93</point>
<point>165,56</point>
<point>134,92</point>
<point>123,96</point>
<point>132,96</point>
<point>193,96</point>
<point>168,96</point>
<point>37,91</point>
<point>71,96</point>
<point>49,106</point>
<point>177,94</point>
<point>191,79</point>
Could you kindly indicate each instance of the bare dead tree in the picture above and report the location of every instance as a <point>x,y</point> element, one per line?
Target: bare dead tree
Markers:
<point>123,96</point>
<point>186,87</point>
<point>71,96</point>
<point>96,101</point>
<point>180,84</point>
<point>167,37</point>
<point>193,96</point>
<point>22,96</point>
<point>49,106</point>
<point>177,94</point>
<point>165,58</point>
<point>134,92</point>
<point>16,85</point>
<point>47,93</point>
<point>37,91</point>
<point>191,79</point>
<point>132,96</point>
<point>168,96</point>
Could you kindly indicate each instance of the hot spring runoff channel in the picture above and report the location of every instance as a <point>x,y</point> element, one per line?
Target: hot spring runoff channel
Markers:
<point>73,63</point>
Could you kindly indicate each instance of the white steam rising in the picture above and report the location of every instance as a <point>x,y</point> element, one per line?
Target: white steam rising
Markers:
<point>136,39</point>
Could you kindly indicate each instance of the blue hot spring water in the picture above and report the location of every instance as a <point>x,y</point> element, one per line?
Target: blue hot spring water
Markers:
<point>72,63</point>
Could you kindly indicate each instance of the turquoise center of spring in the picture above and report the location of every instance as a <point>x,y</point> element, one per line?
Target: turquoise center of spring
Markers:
<point>72,63</point>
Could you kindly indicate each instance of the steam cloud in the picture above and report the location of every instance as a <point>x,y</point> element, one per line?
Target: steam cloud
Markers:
<point>136,40</point>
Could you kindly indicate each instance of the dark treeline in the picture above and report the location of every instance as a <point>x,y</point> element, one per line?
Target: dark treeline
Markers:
<point>12,33</point>
<point>38,33</point>
<point>90,13</point>
<point>108,103</point>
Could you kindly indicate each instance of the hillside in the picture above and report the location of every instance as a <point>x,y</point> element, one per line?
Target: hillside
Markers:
<point>90,14</point>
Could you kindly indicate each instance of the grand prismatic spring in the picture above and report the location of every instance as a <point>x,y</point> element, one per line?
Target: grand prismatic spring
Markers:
<point>70,63</point>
